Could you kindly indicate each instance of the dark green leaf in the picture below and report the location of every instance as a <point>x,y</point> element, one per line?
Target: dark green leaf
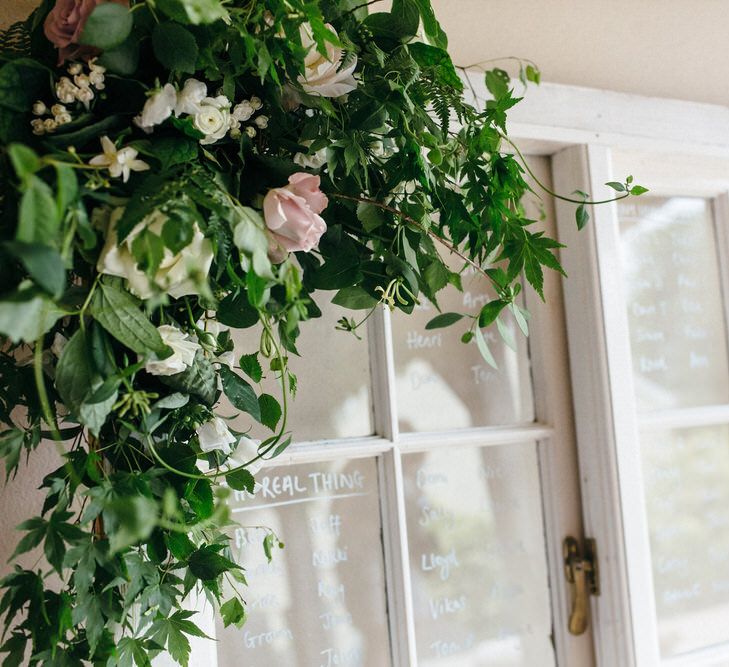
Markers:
<point>235,311</point>
<point>270,411</point>
<point>38,219</point>
<point>618,187</point>
<point>240,393</point>
<point>199,380</point>
<point>354,298</point>
<point>43,263</point>
<point>250,365</point>
<point>206,563</point>
<point>175,47</point>
<point>443,320</point>
<point>581,216</point>
<point>241,480</point>
<point>193,11</point>
<point>490,312</point>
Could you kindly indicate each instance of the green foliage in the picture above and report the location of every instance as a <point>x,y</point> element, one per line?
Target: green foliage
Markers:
<point>95,262</point>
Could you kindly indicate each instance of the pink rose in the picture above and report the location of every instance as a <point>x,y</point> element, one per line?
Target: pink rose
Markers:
<point>65,23</point>
<point>292,215</point>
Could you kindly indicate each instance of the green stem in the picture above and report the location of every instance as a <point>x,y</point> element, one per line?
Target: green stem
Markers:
<point>40,384</point>
<point>552,193</point>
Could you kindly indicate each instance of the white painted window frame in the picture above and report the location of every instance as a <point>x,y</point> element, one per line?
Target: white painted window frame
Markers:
<point>578,128</point>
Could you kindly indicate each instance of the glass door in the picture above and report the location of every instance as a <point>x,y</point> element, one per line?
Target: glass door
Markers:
<point>424,510</point>
<point>661,266</point>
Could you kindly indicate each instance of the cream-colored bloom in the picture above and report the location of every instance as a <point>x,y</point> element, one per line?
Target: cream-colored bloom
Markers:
<point>85,96</point>
<point>215,435</point>
<point>75,68</point>
<point>183,354</point>
<point>66,90</point>
<point>213,119</point>
<point>58,109</point>
<point>243,111</point>
<point>246,452</point>
<point>63,118</point>
<point>261,122</point>
<point>311,161</point>
<point>191,97</point>
<point>178,274</point>
<point>119,162</point>
<point>50,124</point>
<point>39,108</point>
<point>96,79</point>
<point>38,126</point>
<point>82,81</point>
<point>255,103</point>
<point>158,108</point>
<point>322,74</point>
<point>251,131</point>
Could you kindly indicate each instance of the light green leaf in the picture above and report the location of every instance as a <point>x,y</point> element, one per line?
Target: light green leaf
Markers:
<point>27,315</point>
<point>43,263</point>
<point>129,520</point>
<point>233,613</point>
<point>370,216</point>
<point>483,348</point>
<point>520,315</point>
<point>24,159</point>
<point>38,219</point>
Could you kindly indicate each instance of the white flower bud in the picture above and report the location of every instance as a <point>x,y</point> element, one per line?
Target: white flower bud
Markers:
<point>96,79</point>
<point>58,109</point>
<point>256,103</point>
<point>243,111</point>
<point>85,95</point>
<point>39,108</point>
<point>49,125</point>
<point>261,122</point>
<point>63,118</point>
<point>82,81</point>
<point>235,132</point>
<point>66,90</point>
<point>38,126</point>
<point>75,68</point>
<point>251,131</point>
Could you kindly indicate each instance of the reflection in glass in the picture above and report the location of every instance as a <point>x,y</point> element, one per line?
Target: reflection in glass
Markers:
<point>673,293</point>
<point>442,383</point>
<point>321,601</point>
<point>329,403</point>
<point>477,557</point>
<point>686,475</point>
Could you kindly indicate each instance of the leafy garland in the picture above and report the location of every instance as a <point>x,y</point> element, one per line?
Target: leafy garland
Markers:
<point>175,168</point>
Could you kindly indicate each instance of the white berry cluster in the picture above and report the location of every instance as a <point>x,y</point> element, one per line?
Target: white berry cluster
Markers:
<point>243,113</point>
<point>80,85</point>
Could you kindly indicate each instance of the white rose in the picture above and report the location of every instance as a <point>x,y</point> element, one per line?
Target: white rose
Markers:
<point>322,75</point>
<point>246,451</point>
<point>175,273</point>
<point>183,352</point>
<point>190,97</point>
<point>213,119</point>
<point>311,161</point>
<point>158,108</point>
<point>215,435</point>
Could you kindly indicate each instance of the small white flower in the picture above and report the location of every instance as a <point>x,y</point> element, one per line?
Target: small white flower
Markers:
<point>82,81</point>
<point>311,161</point>
<point>213,119</point>
<point>38,126</point>
<point>96,79</point>
<point>66,91</point>
<point>251,131</point>
<point>84,95</point>
<point>256,103</point>
<point>39,108</point>
<point>119,162</point>
<point>261,122</point>
<point>235,133</point>
<point>243,111</point>
<point>94,67</point>
<point>59,342</point>
<point>158,108</point>
<point>63,118</point>
<point>58,109</point>
<point>75,68</point>
<point>49,125</point>
<point>323,74</point>
<point>183,352</point>
<point>215,435</point>
<point>190,97</point>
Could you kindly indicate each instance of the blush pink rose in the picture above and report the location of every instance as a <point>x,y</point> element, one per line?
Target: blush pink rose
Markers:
<point>292,215</point>
<point>65,23</point>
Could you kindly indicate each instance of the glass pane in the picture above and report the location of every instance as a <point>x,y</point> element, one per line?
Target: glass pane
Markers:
<point>442,383</point>
<point>321,601</point>
<point>673,292</point>
<point>687,496</point>
<point>477,557</point>
<point>329,403</point>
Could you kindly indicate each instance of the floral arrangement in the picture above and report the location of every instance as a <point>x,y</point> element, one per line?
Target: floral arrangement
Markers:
<point>172,169</point>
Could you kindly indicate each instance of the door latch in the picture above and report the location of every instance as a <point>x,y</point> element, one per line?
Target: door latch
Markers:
<point>582,573</point>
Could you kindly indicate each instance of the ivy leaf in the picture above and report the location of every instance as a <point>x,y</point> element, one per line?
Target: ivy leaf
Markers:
<point>270,411</point>
<point>207,564</point>
<point>175,47</point>
<point>240,393</point>
<point>119,313</point>
<point>233,613</point>
<point>250,365</point>
<point>443,320</point>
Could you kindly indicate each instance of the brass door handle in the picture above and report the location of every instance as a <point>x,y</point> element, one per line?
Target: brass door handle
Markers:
<point>581,572</point>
